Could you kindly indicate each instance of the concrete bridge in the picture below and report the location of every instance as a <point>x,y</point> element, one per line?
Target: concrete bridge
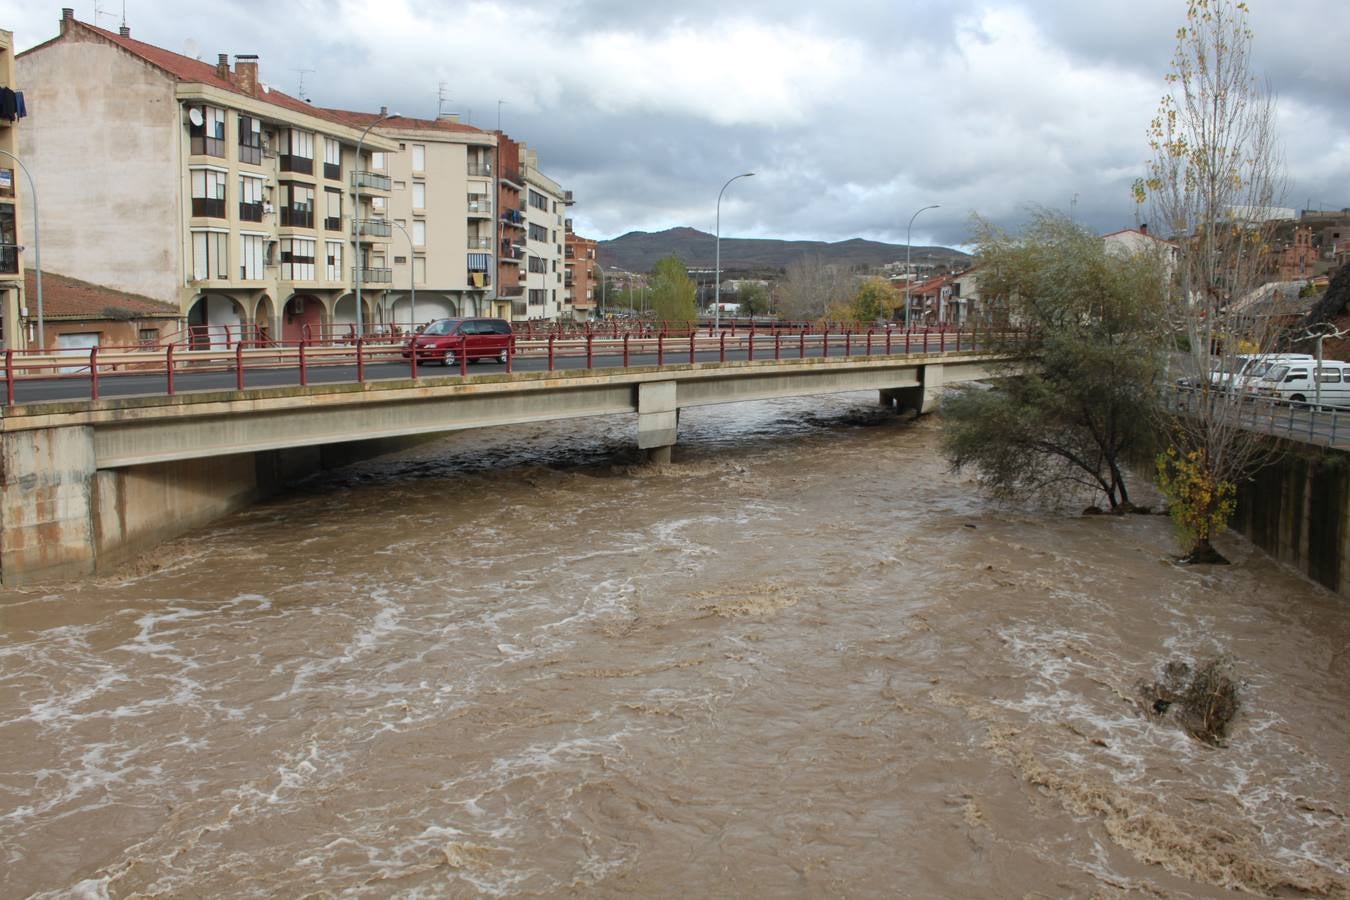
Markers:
<point>86,484</point>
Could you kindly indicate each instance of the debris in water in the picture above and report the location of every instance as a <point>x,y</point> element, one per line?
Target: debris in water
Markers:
<point>1203,701</point>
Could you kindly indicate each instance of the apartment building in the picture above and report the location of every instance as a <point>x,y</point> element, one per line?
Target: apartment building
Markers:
<point>579,256</point>
<point>545,203</point>
<point>198,185</point>
<point>12,296</point>
<point>440,216</point>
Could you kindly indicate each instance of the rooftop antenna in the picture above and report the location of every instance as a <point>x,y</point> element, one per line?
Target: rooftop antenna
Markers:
<point>301,92</point>
<point>443,101</point>
<point>500,103</point>
<point>99,11</point>
<point>1073,207</point>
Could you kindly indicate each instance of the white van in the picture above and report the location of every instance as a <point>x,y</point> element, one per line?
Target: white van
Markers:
<point>1303,382</point>
<point>1245,369</point>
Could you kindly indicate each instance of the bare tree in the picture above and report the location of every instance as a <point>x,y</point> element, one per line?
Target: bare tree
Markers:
<point>810,286</point>
<point>1214,179</point>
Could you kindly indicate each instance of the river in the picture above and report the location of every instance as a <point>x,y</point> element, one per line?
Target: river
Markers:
<point>803,660</point>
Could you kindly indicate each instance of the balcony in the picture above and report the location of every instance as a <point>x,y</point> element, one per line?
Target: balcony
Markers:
<point>480,207</point>
<point>208,207</point>
<point>372,181</point>
<point>479,280</point>
<point>9,259</point>
<point>480,243</point>
<point>297,218</point>
<point>483,170</point>
<point>513,216</point>
<point>332,223</point>
<point>511,253</point>
<point>376,276</point>
<point>375,228</point>
<point>251,212</point>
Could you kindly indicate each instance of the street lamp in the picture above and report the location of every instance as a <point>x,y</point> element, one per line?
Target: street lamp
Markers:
<point>37,247</point>
<point>603,288</point>
<point>717,270</point>
<point>412,274</point>
<point>356,214</point>
<point>908,274</point>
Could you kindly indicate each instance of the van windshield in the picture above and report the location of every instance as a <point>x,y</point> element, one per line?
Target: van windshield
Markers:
<point>442,326</point>
<point>1274,372</point>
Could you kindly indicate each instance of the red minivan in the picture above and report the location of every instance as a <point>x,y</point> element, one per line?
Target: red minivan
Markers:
<point>445,339</point>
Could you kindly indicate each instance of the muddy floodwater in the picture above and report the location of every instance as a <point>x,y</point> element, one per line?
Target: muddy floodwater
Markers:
<point>804,660</point>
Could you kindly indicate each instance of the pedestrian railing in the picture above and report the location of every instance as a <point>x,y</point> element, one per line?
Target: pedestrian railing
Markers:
<point>1307,423</point>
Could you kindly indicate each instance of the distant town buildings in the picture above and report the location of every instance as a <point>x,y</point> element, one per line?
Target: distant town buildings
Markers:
<point>579,282</point>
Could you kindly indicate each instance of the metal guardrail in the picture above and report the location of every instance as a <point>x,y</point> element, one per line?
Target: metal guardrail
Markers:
<point>99,364</point>
<point>1327,426</point>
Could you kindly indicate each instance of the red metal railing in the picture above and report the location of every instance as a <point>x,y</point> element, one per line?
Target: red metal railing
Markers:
<point>610,347</point>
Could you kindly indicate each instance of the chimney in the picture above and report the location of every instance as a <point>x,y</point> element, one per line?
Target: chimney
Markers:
<point>1143,228</point>
<point>384,110</point>
<point>223,65</point>
<point>67,17</point>
<point>124,31</point>
<point>246,73</point>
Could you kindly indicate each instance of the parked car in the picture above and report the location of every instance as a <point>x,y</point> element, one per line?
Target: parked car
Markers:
<point>1304,382</point>
<point>1242,371</point>
<point>445,339</point>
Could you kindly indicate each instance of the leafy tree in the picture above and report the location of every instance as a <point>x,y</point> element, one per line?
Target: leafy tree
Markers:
<point>874,300</point>
<point>1086,393</point>
<point>1214,176</point>
<point>673,291</point>
<point>753,299</point>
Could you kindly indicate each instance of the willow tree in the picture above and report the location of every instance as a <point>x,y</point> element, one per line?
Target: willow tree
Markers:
<point>1082,397</point>
<point>1212,183</point>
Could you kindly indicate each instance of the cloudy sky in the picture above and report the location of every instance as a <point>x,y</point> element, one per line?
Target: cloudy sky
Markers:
<point>852,114</point>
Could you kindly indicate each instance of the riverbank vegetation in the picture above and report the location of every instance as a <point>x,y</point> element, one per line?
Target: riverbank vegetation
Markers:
<point>1083,396</point>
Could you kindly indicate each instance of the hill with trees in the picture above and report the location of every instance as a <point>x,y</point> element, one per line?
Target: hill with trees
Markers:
<point>638,251</point>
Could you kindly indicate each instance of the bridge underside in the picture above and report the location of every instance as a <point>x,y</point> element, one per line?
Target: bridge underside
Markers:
<point>83,486</point>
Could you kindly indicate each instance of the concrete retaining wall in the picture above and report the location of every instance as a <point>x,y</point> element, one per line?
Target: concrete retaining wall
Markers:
<point>1296,511</point>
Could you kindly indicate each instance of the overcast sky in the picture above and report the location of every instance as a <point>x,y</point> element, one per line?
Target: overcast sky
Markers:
<point>852,114</point>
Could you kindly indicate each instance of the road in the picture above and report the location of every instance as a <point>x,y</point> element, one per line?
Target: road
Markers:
<point>124,384</point>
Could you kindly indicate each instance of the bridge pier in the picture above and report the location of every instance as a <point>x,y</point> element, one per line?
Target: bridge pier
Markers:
<point>925,398</point>
<point>658,419</point>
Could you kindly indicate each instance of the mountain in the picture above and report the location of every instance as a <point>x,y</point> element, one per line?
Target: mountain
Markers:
<point>638,251</point>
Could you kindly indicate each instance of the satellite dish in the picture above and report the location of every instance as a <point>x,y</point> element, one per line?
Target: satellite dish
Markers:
<point>191,49</point>
<point>266,88</point>
<point>195,116</point>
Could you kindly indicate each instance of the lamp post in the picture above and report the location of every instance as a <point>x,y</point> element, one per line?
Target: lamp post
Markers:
<point>412,274</point>
<point>717,269</point>
<point>908,274</point>
<point>356,214</point>
<point>603,288</point>
<point>37,247</point>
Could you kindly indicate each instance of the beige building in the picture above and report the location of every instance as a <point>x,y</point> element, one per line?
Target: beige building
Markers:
<point>545,204</point>
<point>12,332</point>
<point>200,186</point>
<point>441,211</point>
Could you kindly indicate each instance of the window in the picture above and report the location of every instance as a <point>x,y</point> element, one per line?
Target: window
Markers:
<point>147,337</point>
<point>419,232</point>
<point>538,265</point>
<point>250,198</point>
<point>419,157</point>
<point>332,159</point>
<point>297,205</point>
<point>538,297</point>
<point>1329,376</point>
<point>419,195</point>
<point>400,260</point>
<point>250,140</point>
<point>332,218</point>
<point>252,256</point>
<point>297,259</point>
<point>419,269</point>
<point>210,255</point>
<point>333,260</point>
<point>538,200</point>
<point>208,192</point>
<point>208,138</point>
<point>378,161</point>
<point>299,151</point>
<point>538,232</point>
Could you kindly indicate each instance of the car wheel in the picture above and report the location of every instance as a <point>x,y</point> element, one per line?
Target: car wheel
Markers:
<point>501,357</point>
<point>1298,398</point>
<point>449,359</point>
